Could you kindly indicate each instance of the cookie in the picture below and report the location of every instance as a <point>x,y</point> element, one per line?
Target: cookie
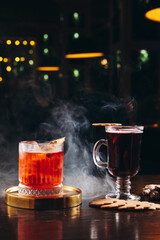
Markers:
<point>152,207</point>
<point>133,202</point>
<point>145,204</point>
<point>131,205</point>
<point>140,207</point>
<point>116,204</point>
<point>113,203</point>
<point>124,207</point>
<point>157,206</point>
<point>100,202</point>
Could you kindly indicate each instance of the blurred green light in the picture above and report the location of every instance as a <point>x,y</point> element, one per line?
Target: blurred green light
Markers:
<point>76,15</point>
<point>144,56</point>
<point>118,56</point>
<point>45,77</point>
<point>76,35</point>
<point>21,69</point>
<point>60,75</point>
<point>118,65</point>
<point>31,51</point>
<point>45,36</point>
<point>31,62</point>
<point>76,73</point>
<point>45,51</point>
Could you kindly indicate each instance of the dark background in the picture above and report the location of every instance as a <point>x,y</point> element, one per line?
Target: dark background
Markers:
<point>48,105</point>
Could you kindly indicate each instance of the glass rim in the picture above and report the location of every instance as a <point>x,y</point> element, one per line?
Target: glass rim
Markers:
<point>30,142</point>
<point>130,127</point>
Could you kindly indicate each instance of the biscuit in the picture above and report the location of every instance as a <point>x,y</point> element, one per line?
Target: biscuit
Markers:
<point>113,203</point>
<point>132,204</point>
<point>140,207</point>
<point>100,202</point>
<point>145,204</point>
<point>152,207</point>
<point>124,207</point>
<point>157,206</point>
<point>119,201</point>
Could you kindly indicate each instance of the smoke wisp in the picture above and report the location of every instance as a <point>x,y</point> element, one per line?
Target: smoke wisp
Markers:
<point>63,118</point>
<point>70,120</point>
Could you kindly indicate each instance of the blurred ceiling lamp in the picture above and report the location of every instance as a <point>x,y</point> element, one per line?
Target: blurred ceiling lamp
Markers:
<point>84,55</point>
<point>49,64</point>
<point>83,47</point>
<point>48,68</point>
<point>153,12</point>
<point>153,15</point>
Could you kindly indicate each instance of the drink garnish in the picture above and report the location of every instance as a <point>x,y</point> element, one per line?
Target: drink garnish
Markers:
<point>106,124</point>
<point>59,140</point>
<point>50,146</point>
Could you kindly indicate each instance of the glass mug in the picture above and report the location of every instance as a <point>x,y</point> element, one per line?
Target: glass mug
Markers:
<point>40,168</point>
<point>123,157</point>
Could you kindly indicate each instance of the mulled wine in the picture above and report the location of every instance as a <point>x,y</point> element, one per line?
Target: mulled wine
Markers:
<point>123,157</point>
<point>124,152</point>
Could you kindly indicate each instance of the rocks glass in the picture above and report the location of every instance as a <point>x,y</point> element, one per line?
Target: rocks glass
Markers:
<point>40,168</point>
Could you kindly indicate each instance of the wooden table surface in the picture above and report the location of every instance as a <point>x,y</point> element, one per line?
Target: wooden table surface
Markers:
<point>82,222</point>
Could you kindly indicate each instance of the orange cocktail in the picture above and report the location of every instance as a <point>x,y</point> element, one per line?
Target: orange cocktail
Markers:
<point>40,168</point>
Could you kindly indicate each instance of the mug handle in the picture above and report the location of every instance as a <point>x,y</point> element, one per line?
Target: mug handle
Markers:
<point>96,157</point>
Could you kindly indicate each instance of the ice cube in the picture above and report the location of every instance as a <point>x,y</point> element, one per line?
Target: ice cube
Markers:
<point>29,146</point>
<point>33,146</point>
<point>46,147</point>
<point>32,142</point>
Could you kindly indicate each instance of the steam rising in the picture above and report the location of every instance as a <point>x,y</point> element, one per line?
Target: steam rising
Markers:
<point>70,120</point>
<point>65,119</point>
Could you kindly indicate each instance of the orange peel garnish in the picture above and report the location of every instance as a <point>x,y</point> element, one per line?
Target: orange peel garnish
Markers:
<point>106,124</point>
<point>59,140</point>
